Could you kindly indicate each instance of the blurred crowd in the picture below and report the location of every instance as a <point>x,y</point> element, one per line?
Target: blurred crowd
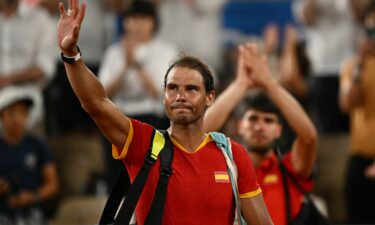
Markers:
<point>324,57</point>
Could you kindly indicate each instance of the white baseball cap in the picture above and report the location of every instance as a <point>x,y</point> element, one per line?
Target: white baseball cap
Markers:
<point>12,94</point>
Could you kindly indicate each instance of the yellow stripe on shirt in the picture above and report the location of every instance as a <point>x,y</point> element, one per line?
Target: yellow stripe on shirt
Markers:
<point>205,141</point>
<point>251,194</point>
<point>115,150</point>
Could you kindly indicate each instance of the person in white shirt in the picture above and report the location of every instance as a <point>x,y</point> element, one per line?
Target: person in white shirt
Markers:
<point>27,48</point>
<point>132,70</point>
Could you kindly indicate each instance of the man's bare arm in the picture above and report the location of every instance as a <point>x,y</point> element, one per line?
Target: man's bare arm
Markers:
<point>217,114</point>
<point>304,147</point>
<point>90,92</point>
<point>254,211</point>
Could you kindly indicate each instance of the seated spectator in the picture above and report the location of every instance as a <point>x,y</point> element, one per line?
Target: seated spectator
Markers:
<point>27,172</point>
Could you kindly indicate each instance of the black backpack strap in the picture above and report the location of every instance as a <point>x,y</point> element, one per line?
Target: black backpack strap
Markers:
<point>286,174</point>
<point>130,202</point>
<point>132,192</point>
<point>120,189</point>
<point>286,192</point>
<point>292,178</point>
<point>155,214</point>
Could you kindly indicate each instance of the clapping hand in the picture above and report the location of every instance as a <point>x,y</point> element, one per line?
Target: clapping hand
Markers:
<point>257,67</point>
<point>69,26</point>
<point>243,72</point>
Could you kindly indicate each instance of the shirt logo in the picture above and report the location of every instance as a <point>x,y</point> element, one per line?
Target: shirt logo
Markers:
<point>30,160</point>
<point>221,177</point>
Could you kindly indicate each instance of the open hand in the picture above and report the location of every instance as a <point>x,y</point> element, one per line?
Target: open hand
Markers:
<point>69,26</point>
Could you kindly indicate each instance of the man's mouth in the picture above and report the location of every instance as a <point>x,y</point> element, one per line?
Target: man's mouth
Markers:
<point>181,107</point>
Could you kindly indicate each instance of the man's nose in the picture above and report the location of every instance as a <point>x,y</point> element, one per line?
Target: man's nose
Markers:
<point>258,126</point>
<point>181,96</point>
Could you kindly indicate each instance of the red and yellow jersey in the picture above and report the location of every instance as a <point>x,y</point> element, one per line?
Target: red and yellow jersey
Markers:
<point>199,190</point>
<point>271,182</point>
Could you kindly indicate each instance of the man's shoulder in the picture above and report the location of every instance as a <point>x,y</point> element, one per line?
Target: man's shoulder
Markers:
<point>140,128</point>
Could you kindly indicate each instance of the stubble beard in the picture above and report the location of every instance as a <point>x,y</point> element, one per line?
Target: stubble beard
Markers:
<point>261,150</point>
<point>184,119</point>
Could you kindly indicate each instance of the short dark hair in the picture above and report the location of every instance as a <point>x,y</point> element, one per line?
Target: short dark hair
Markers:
<point>194,63</point>
<point>143,8</point>
<point>258,100</point>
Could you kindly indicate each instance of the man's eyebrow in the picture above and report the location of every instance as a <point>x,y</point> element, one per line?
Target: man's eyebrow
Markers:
<point>192,86</point>
<point>171,84</point>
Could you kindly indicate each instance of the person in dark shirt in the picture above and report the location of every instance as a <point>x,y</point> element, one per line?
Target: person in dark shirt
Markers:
<point>27,172</point>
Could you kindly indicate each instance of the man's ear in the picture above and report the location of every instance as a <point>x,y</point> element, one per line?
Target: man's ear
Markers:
<point>210,98</point>
<point>163,96</point>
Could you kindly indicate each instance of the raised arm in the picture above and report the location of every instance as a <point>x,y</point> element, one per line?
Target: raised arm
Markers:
<point>113,123</point>
<point>304,146</point>
<point>218,113</point>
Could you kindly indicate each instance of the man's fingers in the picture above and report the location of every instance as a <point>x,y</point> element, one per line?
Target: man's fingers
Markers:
<point>241,51</point>
<point>61,9</point>
<point>240,59</point>
<point>75,5</point>
<point>81,13</point>
<point>248,54</point>
<point>70,4</point>
<point>75,8</point>
<point>252,47</point>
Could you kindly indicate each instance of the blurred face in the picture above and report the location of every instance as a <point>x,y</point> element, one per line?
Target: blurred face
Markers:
<point>14,120</point>
<point>139,27</point>
<point>185,97</point>
<point>259,130</point>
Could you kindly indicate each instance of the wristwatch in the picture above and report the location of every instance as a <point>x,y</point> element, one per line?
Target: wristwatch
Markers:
<point>72,59</point>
